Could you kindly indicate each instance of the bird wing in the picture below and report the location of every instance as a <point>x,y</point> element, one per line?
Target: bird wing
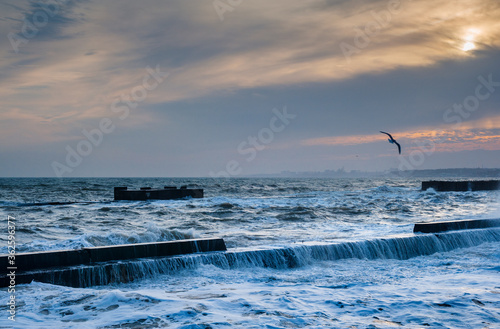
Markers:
<point>399,146</point>
<point>383,132</point>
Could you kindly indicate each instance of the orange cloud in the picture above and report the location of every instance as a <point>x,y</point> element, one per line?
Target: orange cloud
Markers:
<point>479,134</point>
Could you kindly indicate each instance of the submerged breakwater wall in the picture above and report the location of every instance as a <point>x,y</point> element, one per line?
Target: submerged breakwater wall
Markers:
<point>47,261</point>
<point>461,186</point>
<point>147,193</point>
<point>281,258</point>
<point>455,225</point>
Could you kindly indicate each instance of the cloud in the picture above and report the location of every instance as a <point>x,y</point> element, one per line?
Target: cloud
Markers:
<point>478,134</point>
<point>302,44</point>
<point>91,53</point>
<point>259,44</point>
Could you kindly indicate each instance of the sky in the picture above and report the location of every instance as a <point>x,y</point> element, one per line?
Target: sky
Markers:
<point>223,88</point>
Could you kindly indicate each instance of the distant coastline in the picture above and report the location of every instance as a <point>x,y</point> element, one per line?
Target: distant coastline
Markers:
<point>342,173</point>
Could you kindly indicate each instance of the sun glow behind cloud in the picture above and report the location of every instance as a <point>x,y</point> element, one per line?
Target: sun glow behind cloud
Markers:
<point>66,77</point>
<point>288,43</point>
<point>469,45</point>
<point>470,38</point>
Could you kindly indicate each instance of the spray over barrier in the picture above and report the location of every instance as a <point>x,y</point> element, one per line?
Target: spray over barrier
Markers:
<point>120,271</point>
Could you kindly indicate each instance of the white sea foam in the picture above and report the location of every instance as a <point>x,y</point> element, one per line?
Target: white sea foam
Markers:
<point>453,288</point>
<point>456,289</point>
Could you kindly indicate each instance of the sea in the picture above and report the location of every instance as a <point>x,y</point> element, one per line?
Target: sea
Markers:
<point>306,253</point>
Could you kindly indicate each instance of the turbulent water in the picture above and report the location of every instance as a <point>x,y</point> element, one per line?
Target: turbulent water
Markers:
<point>316,253</point>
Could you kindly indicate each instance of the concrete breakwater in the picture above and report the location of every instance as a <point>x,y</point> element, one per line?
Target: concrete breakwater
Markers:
<point>435,227</point>
<point>123,263</point>
<point>402,248</point>
<point>147,193</point>
<point>30,266</point>
<point>462,186</point>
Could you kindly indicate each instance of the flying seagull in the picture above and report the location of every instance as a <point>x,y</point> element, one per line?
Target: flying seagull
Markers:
<point>392,141</point>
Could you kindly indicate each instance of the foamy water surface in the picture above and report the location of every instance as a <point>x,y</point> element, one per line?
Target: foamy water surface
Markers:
<point>457,288</point>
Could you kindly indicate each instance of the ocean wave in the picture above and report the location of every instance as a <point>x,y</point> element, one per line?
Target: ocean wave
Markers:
<point>152,233</point>
<point>400,248</point>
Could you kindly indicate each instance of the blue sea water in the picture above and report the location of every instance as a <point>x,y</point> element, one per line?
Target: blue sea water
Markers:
<point>452,286</point>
